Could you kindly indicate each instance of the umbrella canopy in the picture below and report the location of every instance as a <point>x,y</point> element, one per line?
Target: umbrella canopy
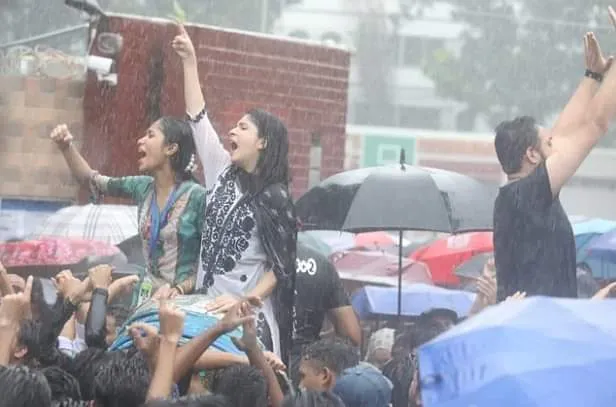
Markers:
<point>378,268</point>
<point>473,267</point>
<point>538,352</point>
<point>398,198</point>
<point>586,229</point>
<point>106,223</point>
<point>416,299</point>
<point>603,247</point>
<point>444,255</point>
<point>328,242</point>
<point>52,252</point>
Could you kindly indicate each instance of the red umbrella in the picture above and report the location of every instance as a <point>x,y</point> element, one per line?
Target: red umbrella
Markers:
<point>378,268</point>
<point>52,252</point>
<point>444,255</point>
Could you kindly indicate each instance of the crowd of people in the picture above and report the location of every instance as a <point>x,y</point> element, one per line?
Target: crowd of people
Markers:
<point>232,242</point>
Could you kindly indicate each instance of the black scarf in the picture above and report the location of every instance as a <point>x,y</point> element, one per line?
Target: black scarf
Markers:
<point>275,216</point>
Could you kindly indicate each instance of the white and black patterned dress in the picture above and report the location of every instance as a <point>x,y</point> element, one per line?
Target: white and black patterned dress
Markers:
<point>232,257</point>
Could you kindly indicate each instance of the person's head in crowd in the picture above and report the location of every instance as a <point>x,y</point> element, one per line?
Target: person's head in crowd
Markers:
<point>442,316</point>
<point>379,347</point>
<point>242,385</point>
<point>323,360</point>
<point>27,347</point>
<point>201,400</point>
<point>400,369</point>
<point>521,145</point>
<point>62,384</point>
<point>312,398</point>
<point>586,284</point>
<point>116,316</point>
<point>260,147</point>
<point>122,382</point>
<point>24,387</point>
<point>168,144</point>
<point>86,364</point>
<point>363,386</point>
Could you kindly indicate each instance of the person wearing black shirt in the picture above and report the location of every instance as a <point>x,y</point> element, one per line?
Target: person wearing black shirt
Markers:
<point>534,246</point>
<point>319,293</point>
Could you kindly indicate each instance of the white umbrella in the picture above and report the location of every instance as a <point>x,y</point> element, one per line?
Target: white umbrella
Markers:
<point>107,223</point>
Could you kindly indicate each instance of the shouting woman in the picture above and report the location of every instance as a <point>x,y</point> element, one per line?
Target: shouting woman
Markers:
<point>249,239</point>
<point>170,203</point>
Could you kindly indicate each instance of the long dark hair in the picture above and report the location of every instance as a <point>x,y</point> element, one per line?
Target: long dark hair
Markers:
<point>273,164</point>
<point>178,131</point>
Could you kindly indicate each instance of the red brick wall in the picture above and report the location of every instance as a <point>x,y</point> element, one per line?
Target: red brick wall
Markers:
<point>30,164</point>
<point>305,85</point>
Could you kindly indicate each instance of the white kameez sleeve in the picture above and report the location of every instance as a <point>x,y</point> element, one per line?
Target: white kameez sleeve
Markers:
<point>212,154</point>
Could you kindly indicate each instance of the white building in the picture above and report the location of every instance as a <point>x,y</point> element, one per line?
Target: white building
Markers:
<point>415,103</point>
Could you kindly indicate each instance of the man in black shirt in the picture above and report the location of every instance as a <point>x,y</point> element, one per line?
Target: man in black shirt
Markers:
<point>319,292</point>
<point>534,246</point>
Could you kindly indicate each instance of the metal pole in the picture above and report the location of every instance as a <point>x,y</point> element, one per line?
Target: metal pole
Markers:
<point>264,14</point>
<point>400,278</point>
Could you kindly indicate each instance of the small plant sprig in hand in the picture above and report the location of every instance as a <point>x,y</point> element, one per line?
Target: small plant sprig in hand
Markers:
<point>178,14</point>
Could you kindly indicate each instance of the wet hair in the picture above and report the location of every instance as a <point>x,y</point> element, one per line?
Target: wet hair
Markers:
<point>178,131</point>
<point>62,384</point>
<point>310,398</point>
<point>512,139</point>
<point>273,163</point>
<point>24,387</point>
<point>242,385</point>
<point>200,400</point>
<point>122,382</point>
<point>426,331</point>
<point>29,337</point>
<point>334,354</point>
<point>86,365</point>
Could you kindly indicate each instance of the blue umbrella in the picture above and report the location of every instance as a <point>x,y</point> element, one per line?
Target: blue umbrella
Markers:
<point>416,299</point>
<point>586,229</point>
<point>603,247</point>
<point>538,352</point>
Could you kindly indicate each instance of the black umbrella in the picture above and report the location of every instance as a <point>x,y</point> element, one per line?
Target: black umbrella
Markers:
<point>398,198</point>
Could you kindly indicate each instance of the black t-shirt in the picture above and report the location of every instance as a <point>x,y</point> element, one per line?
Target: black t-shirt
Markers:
<point>318,289</point>
<point>534,246</point>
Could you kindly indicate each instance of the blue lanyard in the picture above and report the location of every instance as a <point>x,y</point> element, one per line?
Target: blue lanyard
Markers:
<point>158,219</point>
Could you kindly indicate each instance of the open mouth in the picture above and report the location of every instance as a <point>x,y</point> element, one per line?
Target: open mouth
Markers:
<point>141,154</point>
<point>233,146</point>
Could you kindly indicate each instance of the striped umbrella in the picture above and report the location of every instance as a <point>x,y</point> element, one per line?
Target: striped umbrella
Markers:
<point>106,223</point>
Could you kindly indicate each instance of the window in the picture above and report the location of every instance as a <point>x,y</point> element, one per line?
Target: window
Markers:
<point>419,117</point>
<point>414,50</point>
<point>314,170</point>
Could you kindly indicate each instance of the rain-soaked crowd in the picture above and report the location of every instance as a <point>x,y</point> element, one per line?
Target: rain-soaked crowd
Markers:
<point>223,318</point>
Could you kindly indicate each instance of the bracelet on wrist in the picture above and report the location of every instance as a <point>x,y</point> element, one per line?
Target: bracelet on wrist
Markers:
<point>593,75</point>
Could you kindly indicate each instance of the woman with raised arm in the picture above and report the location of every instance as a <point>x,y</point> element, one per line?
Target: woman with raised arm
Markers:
<point>249,240</point>
<point>170,203</point>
